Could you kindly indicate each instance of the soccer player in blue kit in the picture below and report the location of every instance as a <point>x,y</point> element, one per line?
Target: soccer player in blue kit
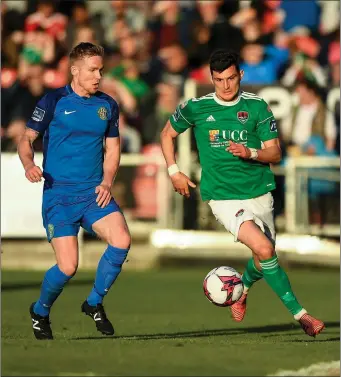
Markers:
<point>81,157</point>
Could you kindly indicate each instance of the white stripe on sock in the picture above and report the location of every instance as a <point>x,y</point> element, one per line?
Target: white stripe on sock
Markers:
<point>300,314</point>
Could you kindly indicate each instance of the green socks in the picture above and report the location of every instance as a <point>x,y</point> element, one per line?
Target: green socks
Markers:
<point>278,280</point>
<point>251,275</point>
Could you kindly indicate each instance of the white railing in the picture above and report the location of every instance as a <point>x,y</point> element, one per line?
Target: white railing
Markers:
<point>297,172</point>
<point>21,200</point>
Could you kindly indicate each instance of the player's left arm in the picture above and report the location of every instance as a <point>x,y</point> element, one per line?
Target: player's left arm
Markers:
<point>270,153</point>
<point>112,156</point>
<point>267,132</point>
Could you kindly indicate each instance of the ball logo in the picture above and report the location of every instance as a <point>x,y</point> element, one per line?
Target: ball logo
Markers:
<point>243,116</point>
<point>102,113</point>
<point>229,282</point>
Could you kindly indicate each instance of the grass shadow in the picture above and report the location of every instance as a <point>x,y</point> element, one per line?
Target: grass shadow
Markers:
<point>207,333</point>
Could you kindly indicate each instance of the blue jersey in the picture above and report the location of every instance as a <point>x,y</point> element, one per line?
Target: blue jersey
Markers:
<point>74,130</point>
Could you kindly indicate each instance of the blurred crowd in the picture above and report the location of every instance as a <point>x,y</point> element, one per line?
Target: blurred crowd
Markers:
<point>152,47</point>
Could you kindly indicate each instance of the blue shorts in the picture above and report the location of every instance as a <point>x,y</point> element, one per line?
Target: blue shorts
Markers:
<point>63,215</point>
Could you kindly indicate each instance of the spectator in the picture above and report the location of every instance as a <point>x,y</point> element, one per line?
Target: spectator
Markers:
<point>45,18</point>
<point>160,109</point>
<point>175,61</point>
<point>219,27</point>
<point>300,13</point>
<point>26,99</point>
<point>80,18</point>
<point>130,137</point>
<point>303,62</point>
<point>309,118</point>
<point>261,65</point>
<point>12,25</point>
<point>84,34</point>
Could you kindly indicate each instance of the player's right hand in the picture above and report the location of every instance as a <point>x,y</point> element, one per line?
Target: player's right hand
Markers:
<point>33,173</point>
<point>181,182</point>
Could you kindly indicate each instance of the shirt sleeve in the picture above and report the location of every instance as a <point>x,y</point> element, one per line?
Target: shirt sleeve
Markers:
<point>42,114</point>
<point>113,122</point>
<point>183,118</point>
<point>266,126</point>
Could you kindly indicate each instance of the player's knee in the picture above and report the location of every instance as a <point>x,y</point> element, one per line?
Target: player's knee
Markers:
<point>265,251</point>
<point>119,238</point>
<point>69,268</point>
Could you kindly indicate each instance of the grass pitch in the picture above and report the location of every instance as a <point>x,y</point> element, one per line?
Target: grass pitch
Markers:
<point>166,327</point>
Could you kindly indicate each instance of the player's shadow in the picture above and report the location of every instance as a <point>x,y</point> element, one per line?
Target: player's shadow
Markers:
<point>313,340</point>
<point>215,332</point>
<point>26,286</point>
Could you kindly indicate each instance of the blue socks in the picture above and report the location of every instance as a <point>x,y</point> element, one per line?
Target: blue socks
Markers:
<point>51,288</point>
<point>108,269</point>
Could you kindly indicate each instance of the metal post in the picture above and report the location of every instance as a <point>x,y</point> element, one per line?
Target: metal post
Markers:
<point>290,196</point>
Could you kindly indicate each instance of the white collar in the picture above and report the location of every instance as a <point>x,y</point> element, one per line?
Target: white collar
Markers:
<point>227,103</point>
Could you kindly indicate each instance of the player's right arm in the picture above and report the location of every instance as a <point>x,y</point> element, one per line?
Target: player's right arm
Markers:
<point>38,123</point>
<point>26,154</point>
<point>179,122</point>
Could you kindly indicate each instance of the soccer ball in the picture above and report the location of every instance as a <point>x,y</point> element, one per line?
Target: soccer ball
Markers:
<point>223,286</point>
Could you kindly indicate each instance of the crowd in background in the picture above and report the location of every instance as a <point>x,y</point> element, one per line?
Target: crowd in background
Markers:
<point>153,47</point>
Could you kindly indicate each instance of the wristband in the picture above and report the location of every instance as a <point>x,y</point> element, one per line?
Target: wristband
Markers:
<point>173,169</point>
<point>254,153</point>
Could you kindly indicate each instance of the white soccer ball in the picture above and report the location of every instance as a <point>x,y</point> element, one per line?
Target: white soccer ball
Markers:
<point>223,286</point>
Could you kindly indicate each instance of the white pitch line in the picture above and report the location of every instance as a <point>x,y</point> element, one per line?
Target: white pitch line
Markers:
<point>331,368</point>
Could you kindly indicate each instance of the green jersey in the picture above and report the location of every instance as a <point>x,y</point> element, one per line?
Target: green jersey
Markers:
<point>247,120</point>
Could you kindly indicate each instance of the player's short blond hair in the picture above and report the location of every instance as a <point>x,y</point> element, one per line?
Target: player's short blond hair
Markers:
<point>84,50</point>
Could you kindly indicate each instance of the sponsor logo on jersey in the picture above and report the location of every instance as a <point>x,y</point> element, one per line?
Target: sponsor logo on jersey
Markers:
<point>273,125</point>
<point>214,135</point>
<point>38,114</point>
<point>210,119</point>
<point>102,113</point>
<point>243,116</point>
<point>176,115</point>
<point>220,138</point>
<point>239,213</point>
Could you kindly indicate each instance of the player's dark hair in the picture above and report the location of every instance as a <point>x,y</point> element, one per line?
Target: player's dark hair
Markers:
<point>84,50</point>
<point>222,59</point>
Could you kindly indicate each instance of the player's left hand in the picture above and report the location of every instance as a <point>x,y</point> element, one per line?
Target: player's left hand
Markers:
<point>239,150</point>
<point>104,195</point>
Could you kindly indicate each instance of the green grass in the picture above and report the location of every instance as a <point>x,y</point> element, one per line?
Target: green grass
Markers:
<point>166,327</point>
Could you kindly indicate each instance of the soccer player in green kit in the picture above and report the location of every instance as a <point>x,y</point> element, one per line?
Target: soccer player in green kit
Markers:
<point>237,140</point>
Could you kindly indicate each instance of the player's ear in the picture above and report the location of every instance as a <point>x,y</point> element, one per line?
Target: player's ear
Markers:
<point>241,73</point>
<point>74,70</point>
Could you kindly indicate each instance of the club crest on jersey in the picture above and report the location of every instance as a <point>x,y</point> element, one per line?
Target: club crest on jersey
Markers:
<point>102,113</point>
<point>50,230</point>
<point>243,116</point>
